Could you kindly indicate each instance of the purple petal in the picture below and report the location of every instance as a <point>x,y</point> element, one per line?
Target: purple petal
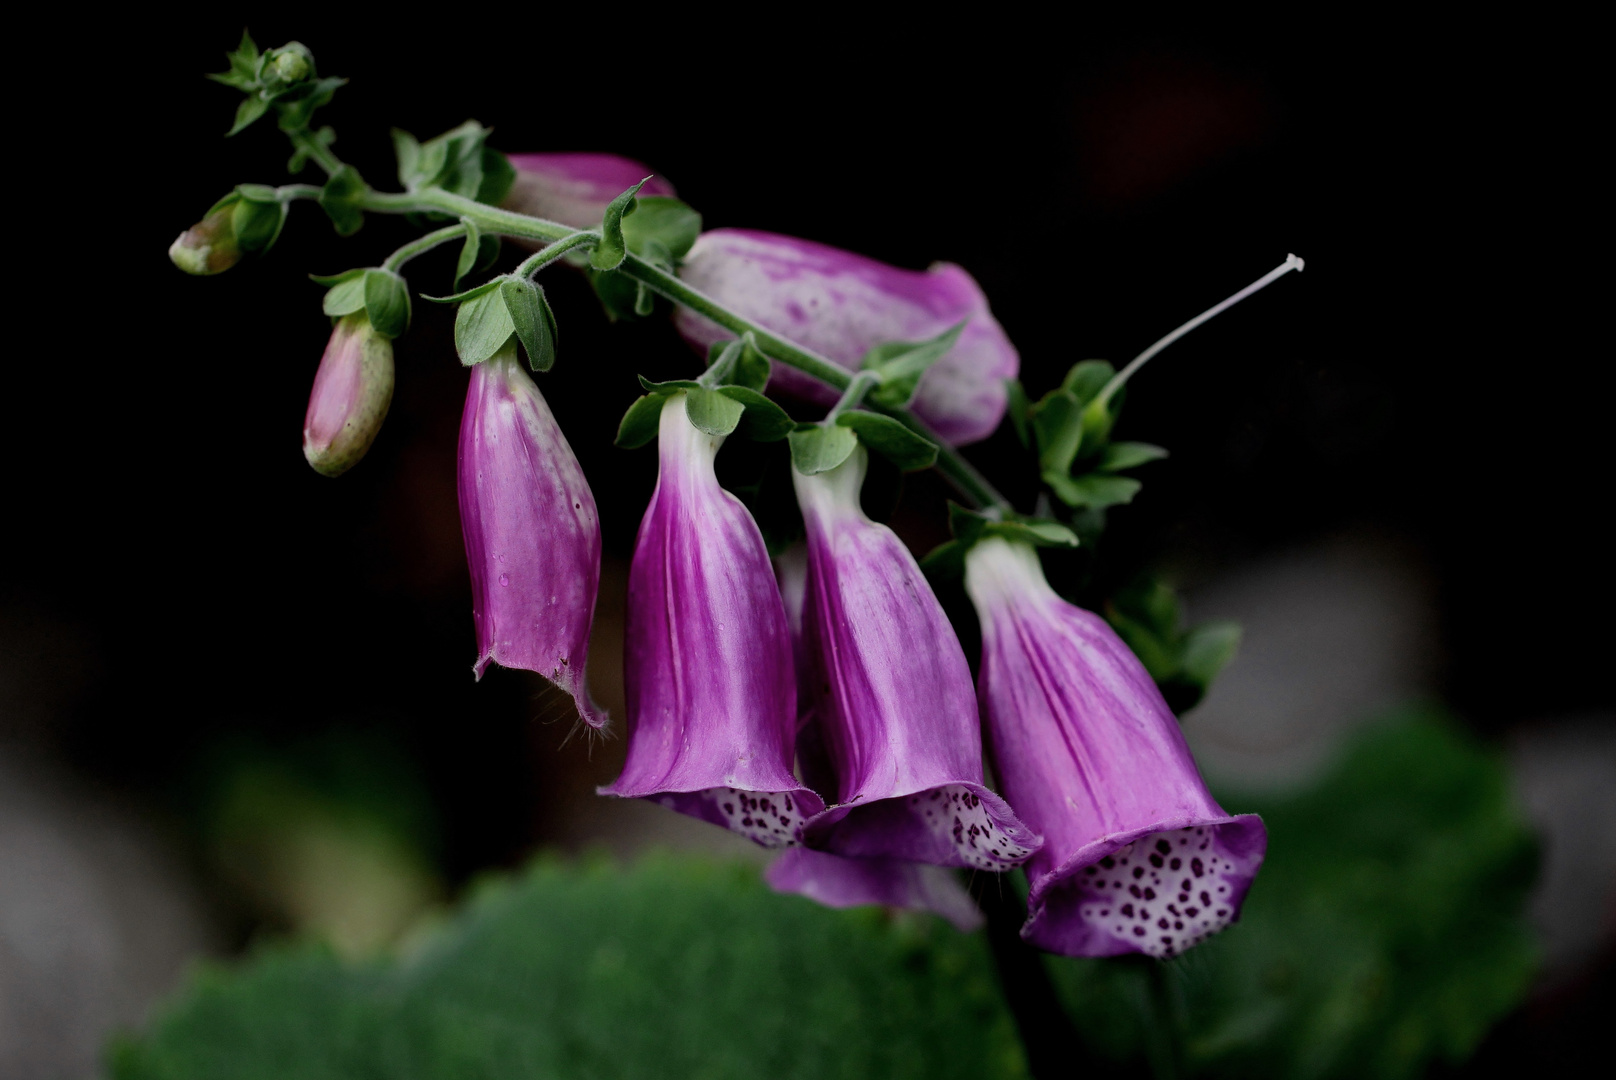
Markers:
<point>532,534</point>
<point>1138,856</point>
<point>842,883</point>
<point>897,710</point>
<point>841,305</point>
<point>349,400</point>
<point>708,670</point>
<point>573,189</point>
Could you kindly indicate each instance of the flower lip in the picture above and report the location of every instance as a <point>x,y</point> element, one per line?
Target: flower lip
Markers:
<point>710,685</point>
<point>842,883</point>
<point>1092,757</point>
<point>842,304</point>
<point>895,704</point>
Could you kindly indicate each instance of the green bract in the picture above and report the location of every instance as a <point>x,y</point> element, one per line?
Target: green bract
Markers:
<point>457,161</point>
<point>491,314</point>
<point>900,364</point>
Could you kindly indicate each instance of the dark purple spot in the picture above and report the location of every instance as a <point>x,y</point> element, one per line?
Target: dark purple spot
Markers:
<point>1206,899</point>
<point>1156,861</point>
<point>1139,931</point>
<point>1197,868</point>
<point>1175,864</point>
<point>1138,871</point>
<point>1150,894</point>
<point>1127,910</point>
<point>1163,847</point>
<point>1134,889</point>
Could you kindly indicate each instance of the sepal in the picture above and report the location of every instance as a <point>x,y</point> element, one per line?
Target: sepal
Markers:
<point>387,302</point>
<point>662,229</point>
<point>457,161</point>
<point>341,198</point>
<point>900,364</point>
<point>534,321</point>
<point>970,528</point>
<point>613,248</point>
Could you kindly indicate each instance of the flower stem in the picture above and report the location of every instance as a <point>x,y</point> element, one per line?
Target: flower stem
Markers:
<point>422,245</point>
<point>962,474</point>
<point>304,140</point>
<point>551,252</point>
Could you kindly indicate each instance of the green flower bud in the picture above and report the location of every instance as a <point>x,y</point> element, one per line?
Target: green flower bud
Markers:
<point>351,393</point>
<point>210,246</point>
<point>291,67</point>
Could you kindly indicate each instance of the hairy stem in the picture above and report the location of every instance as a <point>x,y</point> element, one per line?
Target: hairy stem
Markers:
<point>304,140</point>
<point>422,245</point>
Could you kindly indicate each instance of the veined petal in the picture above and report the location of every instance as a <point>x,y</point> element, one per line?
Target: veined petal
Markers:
<point>894,703</point>
<point>1138,856</point>
<point>573,189</point>
<point>841,305</point>
<point>708,670</point>
<point>842,883</point>
<point>532,533</point>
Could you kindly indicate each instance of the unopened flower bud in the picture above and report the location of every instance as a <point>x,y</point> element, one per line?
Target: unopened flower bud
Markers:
<point>291,66</point>
<point>209,246</point>
<point>351,393</point>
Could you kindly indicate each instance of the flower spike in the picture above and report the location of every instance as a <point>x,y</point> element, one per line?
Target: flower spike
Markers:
<point>1138,856</point>
<point>708,668</point>
<point>531,530</point>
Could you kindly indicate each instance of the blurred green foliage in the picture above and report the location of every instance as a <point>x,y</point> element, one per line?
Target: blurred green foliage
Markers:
<point>675,968</point>
<point>1383,934</point>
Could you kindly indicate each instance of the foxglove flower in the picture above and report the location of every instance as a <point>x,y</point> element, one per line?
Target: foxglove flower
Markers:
<point>532,534</point>
<point>894,700</point>
<point>708,669</point>
<point>841,305</point>
<point>573,189</point>
<point>1138,857</point>
<point>352,390</point>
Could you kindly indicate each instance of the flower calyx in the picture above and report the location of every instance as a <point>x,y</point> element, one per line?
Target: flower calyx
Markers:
<point>283,78</point>
<point>458,161</point>
<point>727,397</point>
<point>247,221</point>
<point>898,365</point>
<point>1183,661</point>
<point>657,228</point>
<point>382,294</point>
<point>970,528</point>
<point>495,312</point>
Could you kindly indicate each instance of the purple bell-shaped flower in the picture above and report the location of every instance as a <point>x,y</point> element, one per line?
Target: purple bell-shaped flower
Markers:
<point>841,305</point>
<point>532,533</point>
<point>708,670</point>
<point>1137,857</point>
<point>893,697</point>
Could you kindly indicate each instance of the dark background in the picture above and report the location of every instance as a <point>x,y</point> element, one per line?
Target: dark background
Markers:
<point>1430,375</point>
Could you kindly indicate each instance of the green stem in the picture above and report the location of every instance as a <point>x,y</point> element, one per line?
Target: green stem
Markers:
<point>290,192</point>
<point>550,253</point>
<point>304,140</point>
<point>422,245</point>
<point>964,476</point>
<point>852,396</point>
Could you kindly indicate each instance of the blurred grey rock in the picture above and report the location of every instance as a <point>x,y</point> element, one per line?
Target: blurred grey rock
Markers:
<point>1332,635</point>
<point>97,922</point>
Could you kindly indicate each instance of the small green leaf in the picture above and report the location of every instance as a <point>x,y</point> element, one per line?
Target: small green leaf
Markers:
<point>946,560</point>
<point>498,176</point>
<point>1098,419</point>
<point>964,524</point>
<point>250,109</point>
<point>469,252</point>
<point>534,321</point>
<point>714,413</point>
<point>764,420</point>
<point>1094,491</point>
<point>618,293</point>
<point>1057,421</point>
<point>1087,379</point>
<point>640,423</point>
<point>243,73</point>
<point>346,296</point>
<point>816,449</point>
<point>338,279</point>
<point>1207,648</point>
<point>387,302</point>
<point>613,249</point>
<point>1159,653</point>
<point>672,386</point>
<point>752,369</point>
<point>662,229</point>
<point>482,327</point>
<point>891,439</point>
<point>1017,406</point>
<point>901,364</point>
<point>408,151</point>
<point>340,199</point>
<point>469,294</point>
<point>644,301</point>
<point>300,157</point>
<point>1036,533</point>
<point>1125,455</point>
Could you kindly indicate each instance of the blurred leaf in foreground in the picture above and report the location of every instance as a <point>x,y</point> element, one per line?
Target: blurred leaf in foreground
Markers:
<point>1384,934</point>
<point>675,968</point>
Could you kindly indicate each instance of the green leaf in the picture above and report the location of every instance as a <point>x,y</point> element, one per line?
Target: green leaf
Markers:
<point>250,109</point>
<point>498,176</point>
<point>1017,406</point>
<point>639,425</point>
<point>1153,604</point>
<point>644,301</point>
<point>469,294</point>
<point>890,439</point>
<point>243,73</point>
<point>1086,379</point>
<point>407,149</point>
<point>340,199</point>
<point>752,368</point>
<point>300,157</point>
<point>298,104</point>
<point>346,296</point>
<point>1384,937</point>
<point>1093,491</point>
<point>966,525</point>
<point>338,279</point>
<point>1057,421</point>
<point>764,421</point>
<point>469,252</point>
<point>534,321</point>
<point>816,449</point>
<point>1158,650</point>
<point>946,561</point>
<point>663,221</point>
<point>1036,533</point>
<point>672,386</point>
<point>482,327</point>
<point>619,294</point>
<point>1125,455</point>
<point>900,365</point>
<point>1207,648</point>
<point>713,412</point>
<point>722,978</point>
<point>387,302</point>
<point>613,249</point>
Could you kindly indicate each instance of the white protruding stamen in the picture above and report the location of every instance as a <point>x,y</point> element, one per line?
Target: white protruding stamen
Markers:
<point>1292,262</point>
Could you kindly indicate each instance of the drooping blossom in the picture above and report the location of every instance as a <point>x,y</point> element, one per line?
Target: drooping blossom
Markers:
<point>532,533</point>
<point>841,305</point>
<point>893,699</point>
<point>836,880</point>
<point>573,189</point>
<point>352,390</point>
<point>708,672</point>
<point>1138,857</point>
